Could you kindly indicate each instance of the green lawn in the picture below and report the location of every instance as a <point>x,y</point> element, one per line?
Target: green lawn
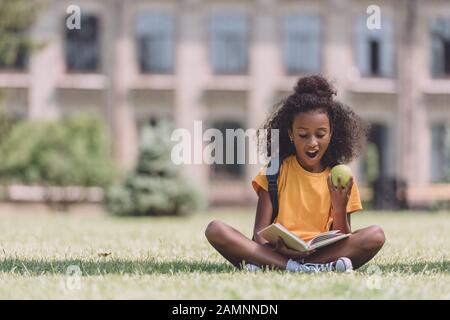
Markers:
<point>169,258</point>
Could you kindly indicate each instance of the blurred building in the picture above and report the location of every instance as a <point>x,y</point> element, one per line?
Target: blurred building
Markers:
<point>227,63</point>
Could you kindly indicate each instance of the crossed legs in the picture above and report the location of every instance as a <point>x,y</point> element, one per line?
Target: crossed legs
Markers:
<point>361,246</point>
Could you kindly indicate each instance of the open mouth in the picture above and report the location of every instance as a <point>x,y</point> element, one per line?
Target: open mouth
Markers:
<point>312,154</point>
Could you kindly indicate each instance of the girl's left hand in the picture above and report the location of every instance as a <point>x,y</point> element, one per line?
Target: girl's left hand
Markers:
<point>290,253</point>
<point>339,194</point>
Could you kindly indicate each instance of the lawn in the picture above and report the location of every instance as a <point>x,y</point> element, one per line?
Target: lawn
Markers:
<point>58,256</point>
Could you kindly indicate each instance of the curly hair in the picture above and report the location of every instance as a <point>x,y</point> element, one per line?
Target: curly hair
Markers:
<point>315,93</point>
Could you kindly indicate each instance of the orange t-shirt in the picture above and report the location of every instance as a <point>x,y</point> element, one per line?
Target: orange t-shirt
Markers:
<point>304,202</point>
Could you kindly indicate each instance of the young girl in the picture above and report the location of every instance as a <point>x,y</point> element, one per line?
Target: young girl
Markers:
<point>316,133</point>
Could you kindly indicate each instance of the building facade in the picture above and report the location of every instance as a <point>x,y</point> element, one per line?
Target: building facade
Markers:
<point>227,63</point>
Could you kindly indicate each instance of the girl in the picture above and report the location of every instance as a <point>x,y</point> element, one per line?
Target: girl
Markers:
<point>316,132</point>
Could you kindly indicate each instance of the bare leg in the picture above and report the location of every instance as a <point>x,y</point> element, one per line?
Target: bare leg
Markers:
<point>236,248</point>
<point>360,247</point>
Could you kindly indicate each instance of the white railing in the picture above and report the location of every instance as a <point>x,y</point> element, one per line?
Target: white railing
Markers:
<point>73,194</point>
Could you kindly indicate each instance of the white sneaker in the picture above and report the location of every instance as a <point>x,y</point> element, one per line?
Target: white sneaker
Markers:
<point>252,268</point>
<point>340,265</point>
<point>343,264</point>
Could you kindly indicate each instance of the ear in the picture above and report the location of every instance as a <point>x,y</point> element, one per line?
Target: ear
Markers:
<point>291,136</point>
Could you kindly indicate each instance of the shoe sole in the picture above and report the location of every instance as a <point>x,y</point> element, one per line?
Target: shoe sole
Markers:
<point>344,264</point>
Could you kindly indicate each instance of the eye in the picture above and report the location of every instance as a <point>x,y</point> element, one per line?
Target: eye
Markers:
<point>303,136</point>
<point>321,136</point>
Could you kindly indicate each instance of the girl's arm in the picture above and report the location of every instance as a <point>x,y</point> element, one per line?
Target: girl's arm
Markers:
<point>263,214</point>
<point>263,219</point>
<point>341,222</point>
<point>339,200</point>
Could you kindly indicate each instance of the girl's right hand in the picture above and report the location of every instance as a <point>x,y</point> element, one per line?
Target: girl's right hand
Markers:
<point>289,253</point>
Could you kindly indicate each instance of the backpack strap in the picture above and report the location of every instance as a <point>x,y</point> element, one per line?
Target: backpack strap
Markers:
<point>273,171</point>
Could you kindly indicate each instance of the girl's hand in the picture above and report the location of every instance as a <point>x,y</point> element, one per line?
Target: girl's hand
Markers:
<point>339,194</point>
<point>289,253</point>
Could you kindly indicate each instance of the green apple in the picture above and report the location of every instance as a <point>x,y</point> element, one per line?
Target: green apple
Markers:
<point>344,172</point>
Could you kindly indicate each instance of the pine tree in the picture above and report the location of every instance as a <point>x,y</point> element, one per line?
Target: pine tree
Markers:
<point>156,186</point>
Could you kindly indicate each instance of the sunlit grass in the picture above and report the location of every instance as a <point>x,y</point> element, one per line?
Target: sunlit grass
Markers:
<point>169,258</point>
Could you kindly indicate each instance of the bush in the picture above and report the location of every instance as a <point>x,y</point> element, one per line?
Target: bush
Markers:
<point>73,151</point>
<point>156,186</point>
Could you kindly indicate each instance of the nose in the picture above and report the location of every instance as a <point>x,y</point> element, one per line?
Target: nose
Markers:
<point>312,143</point>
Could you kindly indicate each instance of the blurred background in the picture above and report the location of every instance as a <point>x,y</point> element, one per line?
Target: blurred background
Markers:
<point>91,89</point>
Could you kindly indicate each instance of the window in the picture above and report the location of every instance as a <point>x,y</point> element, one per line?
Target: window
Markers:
<point>375,162</point>
<point>301,44</point>
<point>440,47</point>
<point>440,153</point>
<point>374,52</point>
<point>155,42</point>
<point>234,170</point>
<point>229,41</point>
<point>19,62</point>
<point>82,45</point>
<point>447,57</point>
<point>16,56</point>
<point>374,57</point>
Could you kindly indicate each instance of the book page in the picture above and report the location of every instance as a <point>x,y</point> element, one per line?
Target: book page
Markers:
<point>322,237</point>
<point>274,231</point>
<point>325,242</point>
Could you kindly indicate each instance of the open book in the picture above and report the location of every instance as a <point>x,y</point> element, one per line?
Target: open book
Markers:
<point>276,230</point>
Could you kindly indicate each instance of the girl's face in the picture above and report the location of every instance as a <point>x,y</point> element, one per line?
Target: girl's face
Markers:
<point>311,135</point>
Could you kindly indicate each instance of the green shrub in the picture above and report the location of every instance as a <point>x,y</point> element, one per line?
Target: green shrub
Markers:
<point>7,121</point>
<point>73,151</point>
<point>156,186</point>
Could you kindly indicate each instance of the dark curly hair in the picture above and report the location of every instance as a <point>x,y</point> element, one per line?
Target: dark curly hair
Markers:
<point>315,93</point>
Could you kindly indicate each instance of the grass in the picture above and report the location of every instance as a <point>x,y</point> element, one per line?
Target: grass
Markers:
<point>169,258</point>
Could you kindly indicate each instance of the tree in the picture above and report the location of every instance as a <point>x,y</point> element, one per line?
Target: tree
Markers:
<point>371,163</point>
<point>16,17</point>
<point>155,186</point>
<point>72,151</point>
